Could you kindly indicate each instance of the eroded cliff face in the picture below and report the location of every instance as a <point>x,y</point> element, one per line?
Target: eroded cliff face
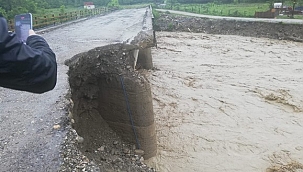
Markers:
<point>107,90</point>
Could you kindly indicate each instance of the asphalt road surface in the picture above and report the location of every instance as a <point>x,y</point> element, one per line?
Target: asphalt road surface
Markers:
<point>28,141</point>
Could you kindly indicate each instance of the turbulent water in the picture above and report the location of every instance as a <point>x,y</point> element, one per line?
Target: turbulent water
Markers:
<point>227,103</point>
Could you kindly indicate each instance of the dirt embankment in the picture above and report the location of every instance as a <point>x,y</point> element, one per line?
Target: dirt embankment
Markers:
<point>104,87</point>
<point>282,31</point>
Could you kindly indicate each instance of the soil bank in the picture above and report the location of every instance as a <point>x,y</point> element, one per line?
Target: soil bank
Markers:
<point>280,30</point>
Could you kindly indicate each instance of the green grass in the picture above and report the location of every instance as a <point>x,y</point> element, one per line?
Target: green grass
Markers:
<point>135,6</point>
<point>285,17</point>
<point>233,10</point>
<point>55,11</point>
<point>156,14</point>
<point>236,10</point>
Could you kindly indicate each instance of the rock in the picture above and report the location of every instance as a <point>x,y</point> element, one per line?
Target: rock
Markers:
<point>118,160</point>
<point>113,151</point>
<point>70,115</point>
<point>80,166</point>
<point>115,142</point>
<point>80,139</point>
<point>126,151</point>
<point>139,152</point>
<point>85,160</point>
<point>56,127</point>
<point>134,147</point>
<point>117,152</point>
<point>138,162</point>
<point>151,170</point>
<point>101,148</point>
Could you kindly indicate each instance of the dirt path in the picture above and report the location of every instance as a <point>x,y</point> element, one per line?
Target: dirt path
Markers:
<point>227,103</point>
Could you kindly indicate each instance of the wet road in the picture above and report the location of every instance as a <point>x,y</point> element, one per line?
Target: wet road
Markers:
<point>28,141</point>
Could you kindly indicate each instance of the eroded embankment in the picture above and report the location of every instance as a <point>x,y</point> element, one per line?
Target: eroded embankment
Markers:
<point>112,101</point>
<point>169,22</point>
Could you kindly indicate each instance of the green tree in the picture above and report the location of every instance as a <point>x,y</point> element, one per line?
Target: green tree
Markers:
<point>113,3</point>
<point>172,3</point>
<point>14,7</point>
<point>271,4</point>
<point>62,9</point>
<point>3,12</point>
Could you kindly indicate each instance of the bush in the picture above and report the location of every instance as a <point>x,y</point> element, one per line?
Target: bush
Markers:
<point>62,9</point>
<point>113,3</point>
<point>156,14</point>
<point>170,26</point>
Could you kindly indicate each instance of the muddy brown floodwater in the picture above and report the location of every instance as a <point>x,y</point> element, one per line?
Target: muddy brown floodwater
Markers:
<point>227,103</point>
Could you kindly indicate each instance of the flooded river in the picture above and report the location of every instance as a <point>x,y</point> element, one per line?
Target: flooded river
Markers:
<point>227,103</point>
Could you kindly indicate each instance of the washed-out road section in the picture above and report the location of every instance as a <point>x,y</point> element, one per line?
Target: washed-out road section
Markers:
<point>28,141</point>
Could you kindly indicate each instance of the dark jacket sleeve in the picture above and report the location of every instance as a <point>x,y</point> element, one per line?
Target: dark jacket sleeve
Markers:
<point>28,67</point>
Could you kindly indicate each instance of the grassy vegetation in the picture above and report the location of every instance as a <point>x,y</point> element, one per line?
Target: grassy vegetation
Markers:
<point>45,17</point>
<point>63,9</point>
<point>134,6</point>
<point>156,13</point>
<point>236,10</point>
<point>287,17</point>
<point>56,11</point>
<point>233,10</point>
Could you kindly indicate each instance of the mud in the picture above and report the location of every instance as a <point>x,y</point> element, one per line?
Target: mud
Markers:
<point>280,30</point>
<point>227,103</point>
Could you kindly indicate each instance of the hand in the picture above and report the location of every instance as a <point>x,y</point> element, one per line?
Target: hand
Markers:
<point>31,32</point>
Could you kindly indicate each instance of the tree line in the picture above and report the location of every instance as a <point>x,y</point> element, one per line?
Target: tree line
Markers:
<point>229,1</point>
<point>9,8</point>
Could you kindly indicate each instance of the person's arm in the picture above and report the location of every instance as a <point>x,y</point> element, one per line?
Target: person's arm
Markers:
<point>31,67</point>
